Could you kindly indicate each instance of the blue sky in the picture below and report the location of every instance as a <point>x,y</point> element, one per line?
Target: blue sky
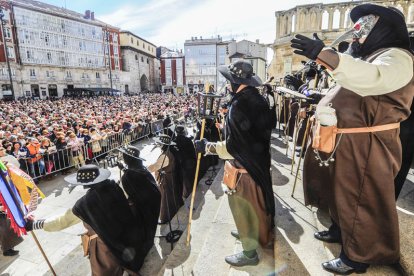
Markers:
<point>170,22</point>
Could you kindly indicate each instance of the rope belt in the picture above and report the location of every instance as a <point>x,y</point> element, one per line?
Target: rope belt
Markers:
<point>369,129</point>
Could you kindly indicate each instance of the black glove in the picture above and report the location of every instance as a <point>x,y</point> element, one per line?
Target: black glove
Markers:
<point>200,145</point>
<point>29,225</point>
<point>315,98</point>
<point>34,225</point>
<point>307,47</point>
<point>293,81</point>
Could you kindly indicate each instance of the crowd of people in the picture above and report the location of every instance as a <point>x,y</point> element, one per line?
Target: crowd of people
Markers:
<point>46,135</point>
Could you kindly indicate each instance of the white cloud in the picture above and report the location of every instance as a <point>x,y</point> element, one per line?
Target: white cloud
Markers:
<point>171,22</point>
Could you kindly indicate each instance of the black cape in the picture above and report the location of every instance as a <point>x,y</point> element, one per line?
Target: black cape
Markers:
<point>188,162</point>
<point>143,193</point>
<point>248,132</point>
<point>105,208</point>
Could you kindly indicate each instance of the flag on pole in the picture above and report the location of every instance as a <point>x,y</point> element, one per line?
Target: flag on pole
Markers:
<point>12,202</point>
<point>23,183</point>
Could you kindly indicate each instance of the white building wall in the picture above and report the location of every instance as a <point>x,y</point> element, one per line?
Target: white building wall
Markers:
<point>52,40</point>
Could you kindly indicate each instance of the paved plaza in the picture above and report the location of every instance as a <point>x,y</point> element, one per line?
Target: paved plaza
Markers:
<point>295,225</point>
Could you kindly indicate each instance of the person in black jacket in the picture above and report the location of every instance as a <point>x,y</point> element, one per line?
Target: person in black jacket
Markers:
<point>247,148</point>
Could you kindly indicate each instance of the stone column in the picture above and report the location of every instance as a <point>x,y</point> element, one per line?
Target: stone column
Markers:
<point>319,19</point>
<point>330,21</point>
<point>342,18</point>
<point>277,25</point>
<point>289,24</point>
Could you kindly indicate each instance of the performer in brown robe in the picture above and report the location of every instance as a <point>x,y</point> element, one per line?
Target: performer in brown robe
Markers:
<point>374,88</point>
<point>166,174</point>
<point>8,239</point>
<point>247,147</point>
<point>115,239</point>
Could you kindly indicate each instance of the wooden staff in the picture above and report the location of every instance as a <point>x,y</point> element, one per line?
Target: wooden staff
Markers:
<point>219,132</point>
<point>296,135</point>
<point>300,156</point>
<point>43,253</point>
<point>203,125</point>
<point>287,126</point>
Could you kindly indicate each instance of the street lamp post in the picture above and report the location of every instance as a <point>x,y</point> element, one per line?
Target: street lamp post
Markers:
<point>5,51</point>
<point>109,57</point>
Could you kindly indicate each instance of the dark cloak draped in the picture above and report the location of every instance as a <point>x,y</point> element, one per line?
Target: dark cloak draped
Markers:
<point>188,162</point>
<point>248,132</point>
<point>145,196</point>
<point>105,208</point>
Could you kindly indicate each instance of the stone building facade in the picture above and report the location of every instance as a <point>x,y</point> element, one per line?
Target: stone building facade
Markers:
<point>328,20</point>
<point>173,72</point>
<point>202,56</point>
<point>141,66</point>
<point>52,49</point>
<point>253,52</point>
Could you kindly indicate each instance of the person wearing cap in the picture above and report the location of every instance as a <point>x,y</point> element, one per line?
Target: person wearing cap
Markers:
<point>143,195</point>
<point>247,148</point>
<point>374,89</point>
<point>168,176</point>
<point>187,159</point>
<point>114,238</point>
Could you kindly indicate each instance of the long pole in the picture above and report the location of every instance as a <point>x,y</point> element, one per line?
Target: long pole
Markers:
<point>300,156</point>
<point>297,129</point>
<point>6,54</point>
<point>109,58</point>
<point>43,253</point>
<point>203,125</point>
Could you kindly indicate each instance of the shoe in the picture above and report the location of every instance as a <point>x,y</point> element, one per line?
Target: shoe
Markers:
<point>235,234</point>
<point>326,236</point>
<point>336,266</point>
<point>240,259</point>
<point>10,252</point>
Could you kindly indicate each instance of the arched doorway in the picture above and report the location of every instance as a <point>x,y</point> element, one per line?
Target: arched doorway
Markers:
<point>144,83</point>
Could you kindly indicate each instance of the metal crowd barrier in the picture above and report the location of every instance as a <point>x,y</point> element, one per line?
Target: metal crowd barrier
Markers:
<point>49,163</point>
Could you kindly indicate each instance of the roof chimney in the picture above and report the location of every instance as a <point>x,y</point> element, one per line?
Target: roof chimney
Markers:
<point>257,41</point>
<point>87,14</point>
<point>92,15</point>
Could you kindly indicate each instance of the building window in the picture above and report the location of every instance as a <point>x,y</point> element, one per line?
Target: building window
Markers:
<point>7,33</point>
<point>47,74</point>
<point>98,76</point>
<point>136,57</point>
<point>132,40</point>
<point>148,48</point>
<point>143,45</point>
<point>28,55</point>
<point>147,61</point>
<point>115,38</point>
<point>32,72</point>
<point>68,74</point>
<point>10,52</point>
<point>49,57</point>
<point>137,43</point>
<point>142,59</point>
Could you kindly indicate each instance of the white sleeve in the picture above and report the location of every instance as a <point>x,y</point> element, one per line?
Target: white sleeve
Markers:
<point>389,72</point>
<point>61,222</point>
<point>222,152</point>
